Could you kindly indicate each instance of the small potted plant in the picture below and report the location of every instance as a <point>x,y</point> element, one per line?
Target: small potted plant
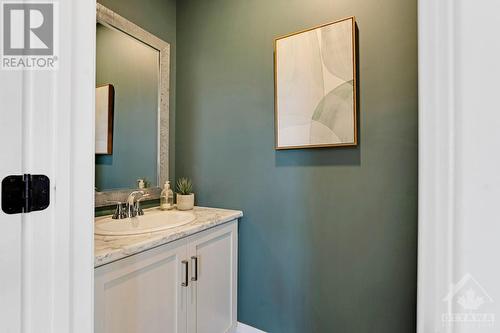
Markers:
<point>185,195</point>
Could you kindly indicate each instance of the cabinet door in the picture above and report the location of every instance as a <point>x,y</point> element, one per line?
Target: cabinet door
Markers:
<point>212,297</point>
<point>143,293</point>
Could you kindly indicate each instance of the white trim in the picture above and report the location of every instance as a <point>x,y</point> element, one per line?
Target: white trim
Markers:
<point>243,328</point>
<point>81,187</point>
<point>459,183</point>
<point>437,125</point>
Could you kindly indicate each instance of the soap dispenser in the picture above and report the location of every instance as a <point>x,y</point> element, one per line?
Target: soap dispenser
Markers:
<point>166,197</point>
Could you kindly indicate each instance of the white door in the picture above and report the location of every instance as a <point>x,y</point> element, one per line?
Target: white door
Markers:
<point>212,300</point>
<point>143,293</point>
<point>46,127</point>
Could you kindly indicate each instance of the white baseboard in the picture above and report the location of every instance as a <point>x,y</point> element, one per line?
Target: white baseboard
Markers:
<point>242,328</point>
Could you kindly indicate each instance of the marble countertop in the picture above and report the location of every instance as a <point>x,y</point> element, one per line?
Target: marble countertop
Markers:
<point>108,249</point>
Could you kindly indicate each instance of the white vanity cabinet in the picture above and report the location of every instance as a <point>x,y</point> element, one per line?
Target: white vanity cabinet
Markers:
<point>186,286</point>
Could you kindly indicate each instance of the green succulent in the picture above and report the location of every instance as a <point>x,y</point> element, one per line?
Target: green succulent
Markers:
<point>184,186</point>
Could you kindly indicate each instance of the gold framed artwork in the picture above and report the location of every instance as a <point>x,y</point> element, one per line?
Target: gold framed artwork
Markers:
<point>315,87</point>
<point>104,113</point>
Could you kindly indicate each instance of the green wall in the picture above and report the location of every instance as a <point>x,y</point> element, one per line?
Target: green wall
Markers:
<point>329,238</point>
<point>132,68</point>
<point>159,18</point>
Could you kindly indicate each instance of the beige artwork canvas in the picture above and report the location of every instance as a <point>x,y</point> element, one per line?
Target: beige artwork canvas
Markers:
<point>315,87</point>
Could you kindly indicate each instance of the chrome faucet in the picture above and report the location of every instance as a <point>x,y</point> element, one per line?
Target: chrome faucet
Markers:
<point>133,206</point>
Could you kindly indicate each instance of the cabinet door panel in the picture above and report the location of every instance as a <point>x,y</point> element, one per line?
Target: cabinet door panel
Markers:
<point>212,298</point>
<point>142,293</point>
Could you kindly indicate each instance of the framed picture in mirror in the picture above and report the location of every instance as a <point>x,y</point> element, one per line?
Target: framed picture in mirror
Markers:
<point>104,113</point>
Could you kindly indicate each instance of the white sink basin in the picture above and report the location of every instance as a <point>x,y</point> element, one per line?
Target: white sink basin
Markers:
<point>153,220</point>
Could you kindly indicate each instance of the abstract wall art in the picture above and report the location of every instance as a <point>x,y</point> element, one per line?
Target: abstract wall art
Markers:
<point>315,87</point>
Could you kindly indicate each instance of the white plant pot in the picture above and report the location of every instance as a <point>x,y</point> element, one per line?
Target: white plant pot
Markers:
<point>185,202</point>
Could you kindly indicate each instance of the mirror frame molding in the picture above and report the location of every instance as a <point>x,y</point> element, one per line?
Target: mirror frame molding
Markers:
<point>106,16</point>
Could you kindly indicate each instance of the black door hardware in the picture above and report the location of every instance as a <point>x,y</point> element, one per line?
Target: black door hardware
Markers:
<point>25,193</point>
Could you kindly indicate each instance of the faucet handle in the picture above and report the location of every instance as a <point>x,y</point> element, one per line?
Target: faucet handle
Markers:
<point>131,197</point>
<point>120,212</point>
<point>138,207</point>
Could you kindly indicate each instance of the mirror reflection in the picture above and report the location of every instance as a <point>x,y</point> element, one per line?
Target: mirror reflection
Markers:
<point>127,111</point>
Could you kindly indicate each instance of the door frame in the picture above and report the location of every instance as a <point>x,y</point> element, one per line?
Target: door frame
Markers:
<point>83,23</point>
<point>437,141</point>
<point>459,182</point>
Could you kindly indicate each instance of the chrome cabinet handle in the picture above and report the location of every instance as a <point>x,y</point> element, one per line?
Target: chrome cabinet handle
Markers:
<point>185,263</point>
<point>195,267</point>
